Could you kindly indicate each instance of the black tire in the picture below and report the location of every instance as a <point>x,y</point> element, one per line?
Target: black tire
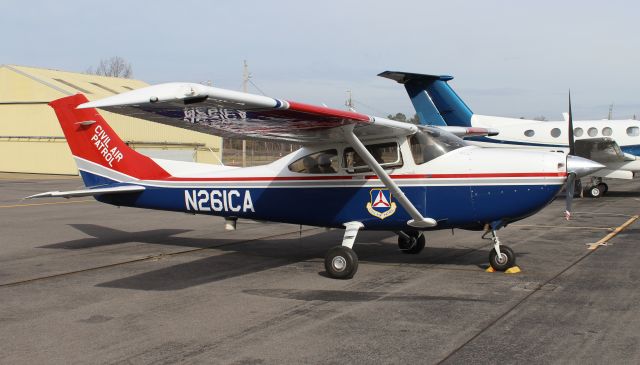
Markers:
<point>341,262</point>
<point>604,188</point>
<point>505,262</point>
<point>595,192</point>
<point>412,245</point>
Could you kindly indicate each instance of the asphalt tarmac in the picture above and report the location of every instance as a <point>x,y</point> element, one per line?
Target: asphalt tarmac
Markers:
<point>82,282</point>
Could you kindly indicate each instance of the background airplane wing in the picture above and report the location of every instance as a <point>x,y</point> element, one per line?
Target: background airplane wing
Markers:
<point>601,150</point>
<point>229,113</point>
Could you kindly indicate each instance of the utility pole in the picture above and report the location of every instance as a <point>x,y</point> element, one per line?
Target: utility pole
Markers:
<point>349,102</point>
<point>245,81</point>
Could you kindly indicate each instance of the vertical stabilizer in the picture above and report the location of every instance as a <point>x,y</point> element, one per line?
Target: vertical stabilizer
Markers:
<point>98,150</point>
<point>433,98</point>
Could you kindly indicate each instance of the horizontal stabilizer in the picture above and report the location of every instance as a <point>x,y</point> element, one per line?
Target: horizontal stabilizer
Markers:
<point>123,189</point>
<point>404,77</point>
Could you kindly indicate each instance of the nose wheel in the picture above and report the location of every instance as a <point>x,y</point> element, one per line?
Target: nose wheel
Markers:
<point>503,261</point>
<point>501,258</point>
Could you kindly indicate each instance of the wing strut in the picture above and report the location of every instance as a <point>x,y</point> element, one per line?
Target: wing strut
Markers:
<point>418,220</point>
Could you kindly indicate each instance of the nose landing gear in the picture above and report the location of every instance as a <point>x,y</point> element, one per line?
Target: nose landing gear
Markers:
<point>501,258</point>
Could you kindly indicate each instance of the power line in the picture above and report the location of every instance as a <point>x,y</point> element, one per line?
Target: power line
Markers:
<point>256,86</point>
<point>376,110</point>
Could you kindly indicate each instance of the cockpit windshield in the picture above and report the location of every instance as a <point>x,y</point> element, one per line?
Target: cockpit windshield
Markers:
<point>429,143</point>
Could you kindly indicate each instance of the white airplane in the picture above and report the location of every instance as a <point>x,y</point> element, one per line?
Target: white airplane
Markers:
<point>614,143</point>
<point>355,171</point>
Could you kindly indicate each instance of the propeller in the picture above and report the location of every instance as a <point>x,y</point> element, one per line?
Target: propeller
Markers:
<point>577,167</point>
<point>571,176</point>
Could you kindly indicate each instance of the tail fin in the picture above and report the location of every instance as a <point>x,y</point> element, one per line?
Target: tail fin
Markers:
<point>102,157</point>
<point>434,100</point>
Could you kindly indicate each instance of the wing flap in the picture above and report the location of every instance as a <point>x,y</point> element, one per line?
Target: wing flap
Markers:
<point>122,189</point>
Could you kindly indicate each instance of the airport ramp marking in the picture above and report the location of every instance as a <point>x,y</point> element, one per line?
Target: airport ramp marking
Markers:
<point>604,240</point>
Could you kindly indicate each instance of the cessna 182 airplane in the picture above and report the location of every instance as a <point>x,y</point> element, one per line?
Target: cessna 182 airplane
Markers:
<point>614,143</point>
<point>355,171</point>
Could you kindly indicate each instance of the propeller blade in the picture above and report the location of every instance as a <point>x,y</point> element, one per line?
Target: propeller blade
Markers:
<point>569,191</point>
<point>572,140</point>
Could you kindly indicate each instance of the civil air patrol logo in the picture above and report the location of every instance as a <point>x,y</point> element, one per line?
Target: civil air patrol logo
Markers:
<point>381,205</point>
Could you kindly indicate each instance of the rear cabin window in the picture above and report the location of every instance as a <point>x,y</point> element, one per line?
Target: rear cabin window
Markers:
<point>323,162</point>
<point>429,144</point>
<point>633,131</point>
<point>387,155</point>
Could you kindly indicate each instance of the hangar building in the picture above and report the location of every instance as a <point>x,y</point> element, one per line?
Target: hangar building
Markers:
<point>31,140</point>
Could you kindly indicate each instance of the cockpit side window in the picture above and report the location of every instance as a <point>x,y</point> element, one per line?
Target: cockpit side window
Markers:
<point>387,155</point>
<point>428,144</point>
<point>323,162</point>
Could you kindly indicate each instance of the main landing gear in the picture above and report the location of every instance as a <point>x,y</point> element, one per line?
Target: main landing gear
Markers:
<point>341,262</point>
<point>411,242</point>
<point>501,257</point>
<point>597,188</point>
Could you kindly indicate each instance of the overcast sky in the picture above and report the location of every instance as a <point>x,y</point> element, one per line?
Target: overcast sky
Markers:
<point>509,58</point>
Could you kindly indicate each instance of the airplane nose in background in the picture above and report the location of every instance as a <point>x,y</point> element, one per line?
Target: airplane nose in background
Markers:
<point>582,166</point>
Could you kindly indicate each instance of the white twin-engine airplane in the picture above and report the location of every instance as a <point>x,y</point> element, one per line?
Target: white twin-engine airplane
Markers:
<point>354,171</point>
<point>614,143</point>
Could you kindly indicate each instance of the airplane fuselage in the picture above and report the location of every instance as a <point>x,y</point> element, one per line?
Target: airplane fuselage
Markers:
<point>479,192</point>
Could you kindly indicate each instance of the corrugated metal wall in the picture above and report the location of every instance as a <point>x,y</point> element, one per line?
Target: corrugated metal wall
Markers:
<point>31,140</point>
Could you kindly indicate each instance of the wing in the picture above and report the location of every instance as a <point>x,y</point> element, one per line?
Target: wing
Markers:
<point>229,113</point>
<point>601,150</point>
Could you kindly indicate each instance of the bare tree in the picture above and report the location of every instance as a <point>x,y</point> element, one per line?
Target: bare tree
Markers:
<point>114,67</point>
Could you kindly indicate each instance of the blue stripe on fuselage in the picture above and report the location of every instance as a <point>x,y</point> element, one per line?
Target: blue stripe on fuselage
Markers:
<point>514,143</point>
<point>452,206</point>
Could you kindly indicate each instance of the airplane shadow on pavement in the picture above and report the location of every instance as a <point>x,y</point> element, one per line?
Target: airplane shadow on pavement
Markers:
<point>229,258</point>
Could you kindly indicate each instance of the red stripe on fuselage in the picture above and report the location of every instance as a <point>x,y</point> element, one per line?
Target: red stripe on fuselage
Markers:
<point>373,177</point>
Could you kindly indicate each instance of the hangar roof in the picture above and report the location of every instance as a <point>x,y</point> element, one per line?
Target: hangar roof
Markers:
<point>37,85</point>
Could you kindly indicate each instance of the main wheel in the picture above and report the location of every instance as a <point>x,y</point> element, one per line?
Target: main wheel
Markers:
<point>595,192</point>
<point>506,260</point>
<point>341,262</point>
<point>603,188</point>
<point>412,245</point>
